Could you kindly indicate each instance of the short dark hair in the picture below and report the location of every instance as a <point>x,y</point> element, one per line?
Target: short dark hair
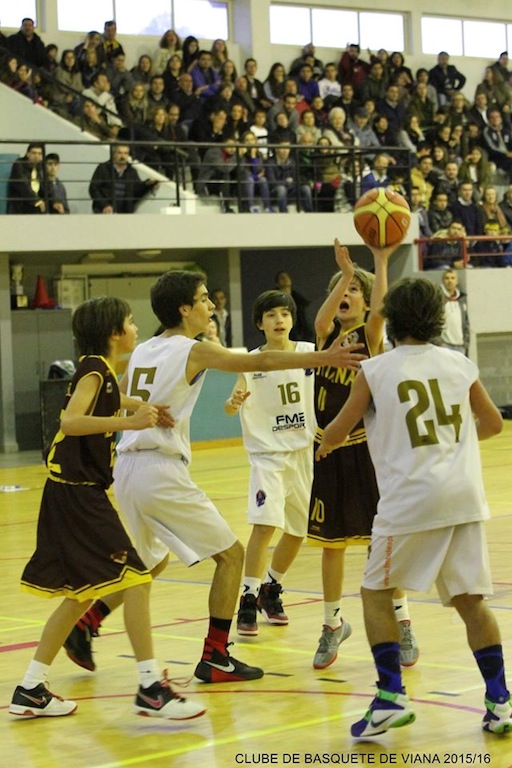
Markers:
<point>35,145</point>
<point>413,307</point>
<point>270,300</point>
<point>173,290</point>
<point>96,320</point>
<point>53,156</point>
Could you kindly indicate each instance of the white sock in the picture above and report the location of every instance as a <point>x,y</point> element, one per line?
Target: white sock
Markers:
<point>401,608</point>
<point>36,673</point>
<point>251,585</point>
<point>148,672</point>
<point>273,576</point>
<point>332,614</point>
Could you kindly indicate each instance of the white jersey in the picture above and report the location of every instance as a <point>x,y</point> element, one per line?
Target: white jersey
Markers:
<point>423,440</point>
<point>157,374</point>
<point>279,415</point>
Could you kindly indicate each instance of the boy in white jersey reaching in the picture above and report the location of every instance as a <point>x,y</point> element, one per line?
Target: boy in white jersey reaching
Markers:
<point>278,426</point>
<point>424,410</point>
<point>152,482</point>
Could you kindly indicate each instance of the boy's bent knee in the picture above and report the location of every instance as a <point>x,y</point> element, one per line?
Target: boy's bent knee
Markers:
<point>233,555</point>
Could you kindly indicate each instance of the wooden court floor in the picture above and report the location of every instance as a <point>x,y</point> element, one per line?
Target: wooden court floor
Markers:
<point>292,716</point>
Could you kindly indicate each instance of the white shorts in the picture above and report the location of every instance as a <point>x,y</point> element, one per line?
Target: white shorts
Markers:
<point>280,489</point>
<point>166,511</point>
<point>455,558</point>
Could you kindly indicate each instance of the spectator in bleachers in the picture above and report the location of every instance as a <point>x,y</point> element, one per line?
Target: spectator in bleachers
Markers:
<point>168,45</point>
<point>439,215</point>
<point>273,86</point>
<point>378,176</point>
<point>465,210</point>
<point>92,40</point>
<point>478,111</point>
<point>282,133</point>
<point>259,128</point>
<point>188,102</point>
<point>472,137</point>
<point>141,72</point>
<point>348,101</point>
<point>506,206</point>
<point>25,188</point>
<point>352,69</point>
<point>494,223</point>
<point>110,44</point>
<point>476,169</point>
<point>329,86</point>
<point>361,128</point>
<point>307,56</point>
<point>396,64</point>
<point>439,157</point>
<point>115,185</point>
<point>242,96</point>
<point>449,182</point>
<point>219,54</point>
<point>328,175</point>
<point>121,80</point>
<point>392,108</point>
<point>219,174</point>
<point>445,78</point>
<point>254,178</point>
<point>156,93</point>
<point>89,65</point>
<point>99,92</point>
<point>27,45</point>
<point>227,72</point>
<point>206,80</point>
<point>171,75</point>
<point>421,106</point>
<point>190,52</point>
<point>8,67</point>
<point>51,58</point>
<point>209,128</point>
<point>236,126</point>
<point>375,85</point>
<point>55,191</point>
<point>336,131</point>
<point>23,83</point>
<point>501,66</point>
<point>67,102</point>
<point>418,208</point>
<point>288,105</point>
<point>134,106</point>
<point>458,109</point>
<point>255,86</point>
<point>498,141</point>
<point>447,254</point>
<point>307,125</point>
<point>411,135</point>
<point>454,149</point>
<point>423,76</point>
<point>384,134</point>
<point>306,85</point>
<point>282,175</point>
<point>423,177</point>
<point>496,89</point>
<point>93,120</point>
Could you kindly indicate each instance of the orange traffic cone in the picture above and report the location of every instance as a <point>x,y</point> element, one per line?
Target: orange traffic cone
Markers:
<point>41,298</point>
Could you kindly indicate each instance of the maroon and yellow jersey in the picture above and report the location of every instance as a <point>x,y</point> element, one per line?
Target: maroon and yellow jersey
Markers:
<point>88,459</point>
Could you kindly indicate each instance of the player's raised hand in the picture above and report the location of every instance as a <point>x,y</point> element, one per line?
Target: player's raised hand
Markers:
<point>383,253</point>
<point>144,417</point>
<point>343,260</point>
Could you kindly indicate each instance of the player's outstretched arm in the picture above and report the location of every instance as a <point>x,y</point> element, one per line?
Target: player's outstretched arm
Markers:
<point>375,322</point>
<point>489,421</point>
<point>325,316</point>
<point>335,433</point>
<point>204,355</point>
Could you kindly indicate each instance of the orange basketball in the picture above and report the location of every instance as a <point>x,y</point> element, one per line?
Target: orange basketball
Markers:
<point>382,217</point>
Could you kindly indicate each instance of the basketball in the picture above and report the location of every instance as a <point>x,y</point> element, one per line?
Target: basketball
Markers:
<point>382,217</point>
